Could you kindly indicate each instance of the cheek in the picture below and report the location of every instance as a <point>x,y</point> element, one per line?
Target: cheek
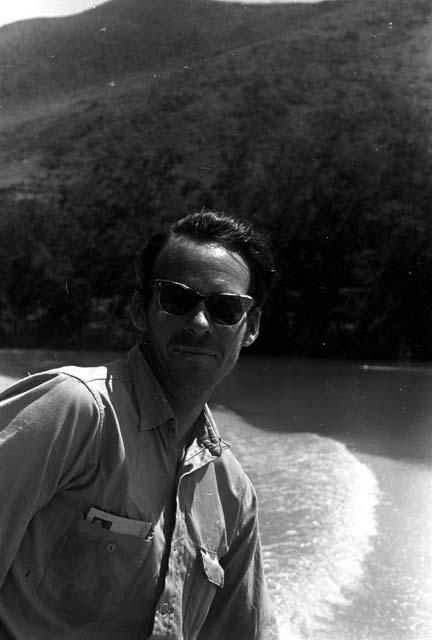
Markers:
<point>233,341</point>
<point>155,325</point>
<point>163,327</point>
<point>160,319</point>
<point>156,317</point>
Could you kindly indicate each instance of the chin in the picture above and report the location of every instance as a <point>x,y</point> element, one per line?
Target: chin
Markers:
<point>198,382</point>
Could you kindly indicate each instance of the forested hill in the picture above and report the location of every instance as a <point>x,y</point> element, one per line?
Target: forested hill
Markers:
<point>312,120</point>
<point>46,57</point>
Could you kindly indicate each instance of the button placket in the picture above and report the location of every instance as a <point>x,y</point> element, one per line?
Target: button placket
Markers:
<point>168,618</point>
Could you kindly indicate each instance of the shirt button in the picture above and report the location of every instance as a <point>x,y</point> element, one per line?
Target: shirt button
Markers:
<point>164,608</point>
<point>110,547</point>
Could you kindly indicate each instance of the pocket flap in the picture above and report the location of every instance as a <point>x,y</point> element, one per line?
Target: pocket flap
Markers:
<point>212,568</point>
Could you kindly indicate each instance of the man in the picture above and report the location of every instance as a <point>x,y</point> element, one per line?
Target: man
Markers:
<point>123,513</point>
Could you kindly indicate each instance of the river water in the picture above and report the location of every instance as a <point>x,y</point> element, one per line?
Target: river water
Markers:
<point>340,454</point>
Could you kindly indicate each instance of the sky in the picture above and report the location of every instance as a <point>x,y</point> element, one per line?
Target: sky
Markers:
<point>12,10</point>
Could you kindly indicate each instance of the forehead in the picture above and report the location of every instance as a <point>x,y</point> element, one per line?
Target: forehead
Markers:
<point>205,266</point>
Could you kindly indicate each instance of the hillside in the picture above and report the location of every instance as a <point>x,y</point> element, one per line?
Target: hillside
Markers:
<point>60,82</point>
<point>128,36</point>
<point>105,61</point>
<point>313,120</point>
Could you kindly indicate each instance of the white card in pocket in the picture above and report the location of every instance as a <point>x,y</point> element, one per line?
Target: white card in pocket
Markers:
<point>120,525</point>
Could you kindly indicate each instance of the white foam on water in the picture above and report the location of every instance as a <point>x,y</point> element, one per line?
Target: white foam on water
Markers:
<point>317,513</point>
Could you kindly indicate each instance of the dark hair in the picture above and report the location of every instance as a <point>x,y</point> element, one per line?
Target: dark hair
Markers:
<point>215,228</point>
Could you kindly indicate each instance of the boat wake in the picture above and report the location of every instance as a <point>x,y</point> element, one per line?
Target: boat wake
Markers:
<point>317,514</point>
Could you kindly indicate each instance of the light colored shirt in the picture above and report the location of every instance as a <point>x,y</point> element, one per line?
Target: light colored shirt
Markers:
<point>183,560</point>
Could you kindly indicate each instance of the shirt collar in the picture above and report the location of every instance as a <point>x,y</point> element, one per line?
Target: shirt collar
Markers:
<point>153,406</point>
<point>206,437</point>
<point>209,435</point>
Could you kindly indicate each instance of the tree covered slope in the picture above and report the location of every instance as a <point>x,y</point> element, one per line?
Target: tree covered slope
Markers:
<point>313,120</point>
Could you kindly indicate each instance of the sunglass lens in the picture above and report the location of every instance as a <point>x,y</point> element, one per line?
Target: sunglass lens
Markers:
<point>225,309</point>
<point>176,300</point>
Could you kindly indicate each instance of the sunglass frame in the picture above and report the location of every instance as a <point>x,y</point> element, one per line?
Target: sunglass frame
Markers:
<point>247,302</point>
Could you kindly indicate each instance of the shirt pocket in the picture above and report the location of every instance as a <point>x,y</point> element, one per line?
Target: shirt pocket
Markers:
<point>208,577</point>
<point>91,571</point>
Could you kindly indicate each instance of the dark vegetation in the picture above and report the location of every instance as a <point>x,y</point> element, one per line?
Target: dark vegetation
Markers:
<point>314,121</point>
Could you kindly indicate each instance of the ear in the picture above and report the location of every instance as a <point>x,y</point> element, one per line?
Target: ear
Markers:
<point>252,326</point>
<point>139,311</point>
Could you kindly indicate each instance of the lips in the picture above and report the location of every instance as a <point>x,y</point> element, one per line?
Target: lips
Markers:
<point>191,350</point>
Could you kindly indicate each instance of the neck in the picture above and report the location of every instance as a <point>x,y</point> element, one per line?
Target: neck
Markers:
<point>187,410</point>
<point>186,403</point>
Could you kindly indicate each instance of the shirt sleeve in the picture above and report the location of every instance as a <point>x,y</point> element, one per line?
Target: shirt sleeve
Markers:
<point>49,425</point>
<point>242,608</point>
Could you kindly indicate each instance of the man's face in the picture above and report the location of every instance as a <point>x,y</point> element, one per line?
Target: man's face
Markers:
<point>191,352</point>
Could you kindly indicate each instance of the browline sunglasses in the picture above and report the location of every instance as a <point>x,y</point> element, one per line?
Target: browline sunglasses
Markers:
<point>177,299</point>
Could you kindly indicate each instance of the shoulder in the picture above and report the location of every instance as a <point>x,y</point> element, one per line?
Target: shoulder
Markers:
<point>54,395</point>
<point>50,414</point>
<point>234,478</point>
<point>231,477</point>
<point>237,494</point>
<point>228,469</point>
<point>48,383</point>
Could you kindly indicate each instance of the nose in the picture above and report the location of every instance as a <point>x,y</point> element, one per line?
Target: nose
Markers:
<point>198,321</point>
